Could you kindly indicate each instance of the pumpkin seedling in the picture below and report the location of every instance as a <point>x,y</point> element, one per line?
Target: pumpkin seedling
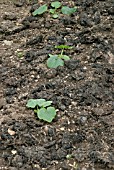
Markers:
<point>55,6</point>
<point>58,60</point>
<point>42,108</point>
<point>20,54</point>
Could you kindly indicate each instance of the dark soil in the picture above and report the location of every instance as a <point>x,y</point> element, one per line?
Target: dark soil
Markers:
<point>81,137</point>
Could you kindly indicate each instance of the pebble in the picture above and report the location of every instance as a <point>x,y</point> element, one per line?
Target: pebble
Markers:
<point>83,119</point>
<point>11,132</point>
<point>19,3</point>
<point>51,73</point>
<point>13,152</point>
<point>2,102</point>
<point>9,16</point>
<point>9,43</point>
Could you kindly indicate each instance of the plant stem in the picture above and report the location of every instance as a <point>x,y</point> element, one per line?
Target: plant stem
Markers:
<point>62,51</point>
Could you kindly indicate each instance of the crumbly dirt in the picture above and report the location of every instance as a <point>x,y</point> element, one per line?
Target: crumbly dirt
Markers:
<point>81,137</point>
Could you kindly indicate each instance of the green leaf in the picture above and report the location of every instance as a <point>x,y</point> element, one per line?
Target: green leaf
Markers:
<point>40,102</point>
<point>55,16</point>
<point>32,103</point>
<point>63,47</point>
<point>47,103</point>
<point>65,57</point>
<point>56,4</point>
<point>52,11</point>
<point>20,54</point>
<point>43,103</point>
<point>54,61</point>
<point>41,113</point>
<point>47,114</point>
<point>51,112</point>
<point>40,10</point>
<point>68,11</point>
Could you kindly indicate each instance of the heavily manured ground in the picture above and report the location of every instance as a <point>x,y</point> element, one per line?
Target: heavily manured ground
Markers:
<point>81,137</point>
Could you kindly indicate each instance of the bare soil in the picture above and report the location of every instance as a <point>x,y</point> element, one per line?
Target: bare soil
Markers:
<point>81,137</point>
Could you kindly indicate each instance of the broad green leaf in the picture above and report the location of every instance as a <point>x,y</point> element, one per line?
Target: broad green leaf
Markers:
<point>47,103</point>
<point>65,57</point>
<point>52,11</point>
<point>55,16</point>
<point>51,112</point>
<point>41,113</point>
<point>32,103</point>
<point>68,11</point>
<point>54,61</point>
<point>56,4</point>
<point>46,114</point>
<point>43,103</point>
<point>40,10</point>
<point>40,102</point>
<point>63,47</point>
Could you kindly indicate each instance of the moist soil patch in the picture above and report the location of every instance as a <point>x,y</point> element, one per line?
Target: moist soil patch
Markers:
<point>81,137</point>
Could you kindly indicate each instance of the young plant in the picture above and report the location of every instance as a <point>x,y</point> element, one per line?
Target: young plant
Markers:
<point>20,54</point>
<point>55,6</point>
<point>58,60</point>
<point>42,108</point>
<point>40,10</point>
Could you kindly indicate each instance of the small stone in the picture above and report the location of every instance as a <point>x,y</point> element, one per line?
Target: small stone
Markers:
<point>51,73</point>
<point>72,64</point>
<point>83,119</point>
<point>9,16</point>
<point>62,128</point>
<point>2,162</point>
<point>11,132</point>
<point>111,58</point>
<point>37,166</point>
<point>2,102</point>
<point>9,43</point>
<point>46,129</point>
<point>62,107</point>
<point>84,168</point>
<point>19,3</point>
<point>13,152</point>
<point>99,111</point>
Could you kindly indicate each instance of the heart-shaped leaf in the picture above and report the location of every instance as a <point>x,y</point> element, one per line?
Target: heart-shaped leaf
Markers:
<point>56,4</point>
<point>47,103</point>
<point>40,102</point>
<point>54,61</point>
<point>40,10</point>
<point>46,114</point>
<point>32,103</point>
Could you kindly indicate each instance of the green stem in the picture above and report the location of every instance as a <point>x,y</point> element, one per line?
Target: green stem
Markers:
<point>36,110</point>
<point>62,51</point>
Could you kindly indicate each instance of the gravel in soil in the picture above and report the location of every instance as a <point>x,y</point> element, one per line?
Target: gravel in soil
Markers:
<point>81,136</point>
